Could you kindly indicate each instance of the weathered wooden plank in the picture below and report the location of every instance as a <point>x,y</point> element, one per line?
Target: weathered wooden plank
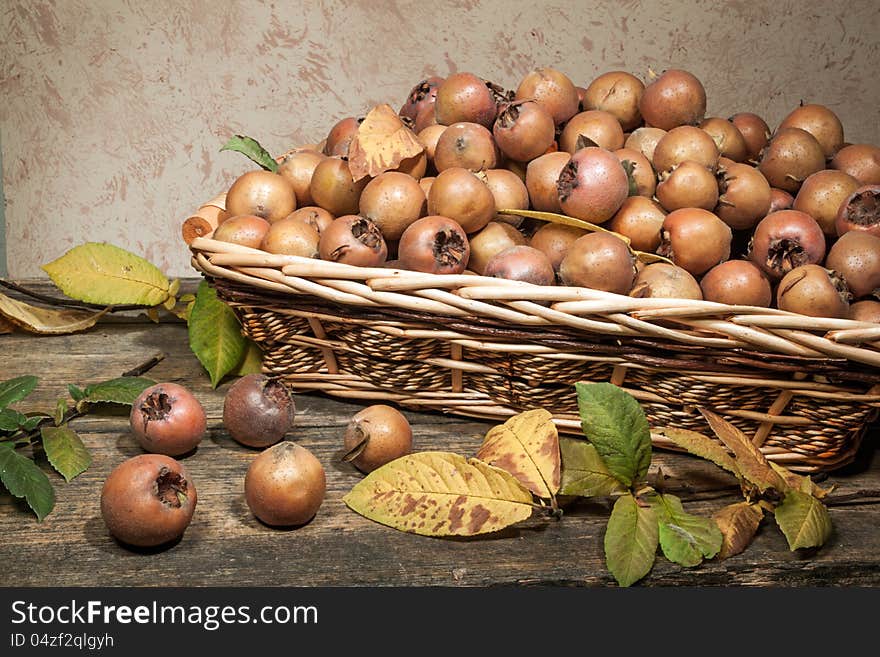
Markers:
<point>226,545</point>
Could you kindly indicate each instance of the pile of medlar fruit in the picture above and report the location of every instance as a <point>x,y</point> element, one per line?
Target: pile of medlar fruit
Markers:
<point>743,215</point>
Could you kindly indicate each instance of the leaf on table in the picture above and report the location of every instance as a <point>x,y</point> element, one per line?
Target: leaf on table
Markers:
<point>738,524</point>
<point>75,392</point>
<point>251,362</point>
<point>802,483</point>
<point>14,390</point>
<point>106,274</point>
<point>583,471</point>
<point>615,424</point>
<point>750,462</point>
<point>24,479</point>
<point>6,326</point>
<point>441,494</point>
<point>685,538</point>
<point>65,451</point>
<point>253,150</point>
<point>526,446</point>
<point>47,321</point>
<point>700,445</point>
<point>121,390</point>
<point>60,410</point>
<point>215,334</point>
<point>631,540</point>
<point>381,143</point>
<point>803,519</point>
<point>32,421</point>
<point>11,420</point>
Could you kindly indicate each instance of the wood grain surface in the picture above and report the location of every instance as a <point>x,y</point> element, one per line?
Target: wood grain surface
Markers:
<point>226,545</point>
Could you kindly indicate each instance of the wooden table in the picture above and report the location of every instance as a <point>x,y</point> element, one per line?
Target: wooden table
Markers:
<point>225,545</point>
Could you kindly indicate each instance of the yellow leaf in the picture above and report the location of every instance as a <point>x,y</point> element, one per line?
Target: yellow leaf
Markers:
<point>381,143</point>
<point>527,446</point>
<point>108,275</point>
<point>800,482</point>
<point>441,494</point>
<point>6,326</point>
<point>738,523</point>
<point>47,321</point>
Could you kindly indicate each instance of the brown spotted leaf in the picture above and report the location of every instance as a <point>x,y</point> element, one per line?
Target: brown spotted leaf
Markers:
<point>738,523</point>
<point>381,143</point>
<point>750,462</point>
<point>800,482</point>
<point>441,494</point>
<point>47,321</point>
<point>527,446</point>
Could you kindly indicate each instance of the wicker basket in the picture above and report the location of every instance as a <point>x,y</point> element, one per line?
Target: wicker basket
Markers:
<point>805,389</point>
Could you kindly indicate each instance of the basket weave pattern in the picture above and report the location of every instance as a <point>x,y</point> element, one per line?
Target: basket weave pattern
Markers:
<point>804,389</point>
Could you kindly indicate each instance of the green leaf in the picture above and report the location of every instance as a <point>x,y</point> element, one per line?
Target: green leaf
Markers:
<point>11,420</point>
<point>122,390</point>
<point>60,410</point>
<point>685,539</point>
<point>108,275</point>
<point>215,334</point>
<point>251,148</point>
<point>614,422</point>
<point>14,390</point>
<point>631,540</point>
<point>33,420</point>
<point>251,362</point>
<point>75,392</point>
<point>803,519</point>
<point>23,478</point>
<point>65,451</point>
<point>583,470</point>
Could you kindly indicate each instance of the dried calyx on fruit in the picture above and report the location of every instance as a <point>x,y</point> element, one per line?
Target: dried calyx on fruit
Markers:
<point>434,244</point>
<point>353,240</point>
<point>860,211</point>
<point>785,240</point>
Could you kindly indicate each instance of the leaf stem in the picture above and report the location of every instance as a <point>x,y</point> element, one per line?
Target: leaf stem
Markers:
<point>68,303</point>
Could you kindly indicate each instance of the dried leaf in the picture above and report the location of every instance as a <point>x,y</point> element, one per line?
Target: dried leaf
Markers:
<point>803,519</point>
<point>47,321</point>
<point>738,523</point>
<point>583,471</point>
<point>700,445</point>
<point>800,482</point>
<point>108,275</point>
<point>6,326</point>
<point>65,451</point>
<point>750,462</point>
<point>527,446</point>
<point>631,540</point>
<point>615,424</point>
<point>441,494</point>
<point>23,478</point>
<point>381,143</point>
<point>686,539</point>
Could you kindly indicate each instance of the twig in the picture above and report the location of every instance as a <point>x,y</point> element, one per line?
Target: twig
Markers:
<point>146,366</point>
<point>68,303</point>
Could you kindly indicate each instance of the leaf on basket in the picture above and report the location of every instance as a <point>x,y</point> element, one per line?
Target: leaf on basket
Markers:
<point>215,334</point>
<point>381,143</point>
<point>738,523</point>
<point>65,451</point>
<point>583,471</point>
<point>803,519</point>
<point>14,390</point>
<point>441,494</point>
<point>23,478</point>
<point>553,217</point>
<point>253,150</point>
<point>46,321</point>
<point>700,445</point>
<point>526,446</point>
<point>615,424</point>
<point>108,275</point>
<point>631,540</point>
<point>685,538</point>
<point>750,462</point>
<point>122,390</point>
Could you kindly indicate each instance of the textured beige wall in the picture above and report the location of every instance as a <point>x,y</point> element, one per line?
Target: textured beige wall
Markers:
<point>113,111</point>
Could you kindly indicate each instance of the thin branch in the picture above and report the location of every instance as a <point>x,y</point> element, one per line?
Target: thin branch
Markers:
<point>146,366</point>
